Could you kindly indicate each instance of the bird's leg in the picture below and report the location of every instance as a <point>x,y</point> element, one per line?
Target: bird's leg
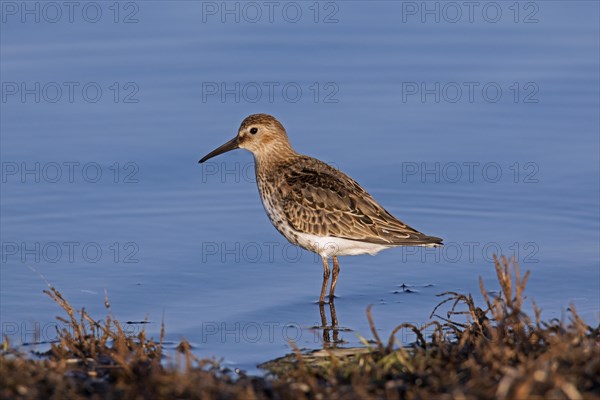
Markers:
<point>325,280</point>
<point>336,272</point>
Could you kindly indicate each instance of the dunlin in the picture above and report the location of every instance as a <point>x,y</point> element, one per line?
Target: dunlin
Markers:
<point>314,205</point>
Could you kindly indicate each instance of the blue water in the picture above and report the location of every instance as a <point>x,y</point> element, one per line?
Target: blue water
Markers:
<point>479,127</point>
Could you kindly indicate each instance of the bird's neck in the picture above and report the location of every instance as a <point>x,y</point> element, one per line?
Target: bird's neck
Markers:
<point>273,154</point>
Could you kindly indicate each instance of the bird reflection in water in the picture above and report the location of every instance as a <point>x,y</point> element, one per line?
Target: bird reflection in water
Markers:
<point>330,332</point>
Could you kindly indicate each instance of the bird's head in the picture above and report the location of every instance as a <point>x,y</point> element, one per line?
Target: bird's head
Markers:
<point>260,134</point>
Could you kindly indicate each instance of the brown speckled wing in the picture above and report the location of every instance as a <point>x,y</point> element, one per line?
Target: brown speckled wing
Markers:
<point>320,200</point>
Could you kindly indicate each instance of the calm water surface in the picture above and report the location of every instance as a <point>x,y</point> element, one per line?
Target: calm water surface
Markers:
<point>484,133</point>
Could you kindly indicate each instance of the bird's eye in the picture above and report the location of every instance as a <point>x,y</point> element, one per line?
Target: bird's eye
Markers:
<point>253,130</point>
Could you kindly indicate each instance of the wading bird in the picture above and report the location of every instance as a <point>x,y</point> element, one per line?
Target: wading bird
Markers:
<point>314,205</point>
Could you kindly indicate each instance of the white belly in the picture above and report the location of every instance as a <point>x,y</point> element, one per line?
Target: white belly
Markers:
<point>327,246</point>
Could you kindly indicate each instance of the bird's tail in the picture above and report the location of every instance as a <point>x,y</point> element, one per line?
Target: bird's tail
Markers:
<point>432,241</point>
<point>420,240</point>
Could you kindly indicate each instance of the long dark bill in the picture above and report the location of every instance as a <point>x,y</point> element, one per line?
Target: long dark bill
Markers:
<point>231,145</point>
